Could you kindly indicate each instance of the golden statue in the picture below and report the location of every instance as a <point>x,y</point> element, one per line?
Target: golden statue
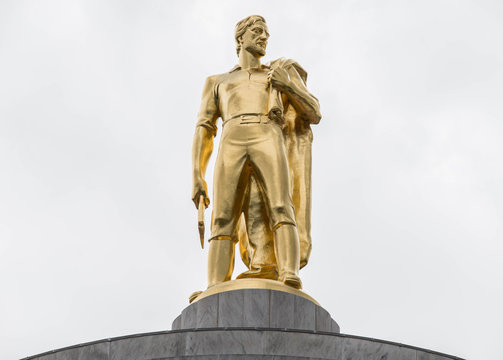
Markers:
<point>262,176</point>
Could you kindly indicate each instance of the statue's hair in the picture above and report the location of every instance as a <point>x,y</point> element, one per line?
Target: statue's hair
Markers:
<point>242,26</point>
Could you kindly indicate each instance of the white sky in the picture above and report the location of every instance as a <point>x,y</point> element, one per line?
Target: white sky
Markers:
<point>98,101</point>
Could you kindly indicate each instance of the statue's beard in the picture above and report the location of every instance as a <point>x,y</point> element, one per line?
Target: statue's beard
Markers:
<point>256,50</point>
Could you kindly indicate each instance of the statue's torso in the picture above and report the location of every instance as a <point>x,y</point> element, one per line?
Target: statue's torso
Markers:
<point>243,92</point>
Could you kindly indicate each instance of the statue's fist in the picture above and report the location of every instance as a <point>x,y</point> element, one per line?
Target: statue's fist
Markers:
<point>199,188</point>
<point>279,78</point>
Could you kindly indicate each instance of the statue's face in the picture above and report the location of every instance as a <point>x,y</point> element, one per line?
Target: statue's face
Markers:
<point>254,40</point>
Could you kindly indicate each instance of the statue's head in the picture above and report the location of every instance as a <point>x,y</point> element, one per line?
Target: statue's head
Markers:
<point>251,34</point>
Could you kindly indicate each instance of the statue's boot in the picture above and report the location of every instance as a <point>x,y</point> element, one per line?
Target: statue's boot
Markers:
<point>194,295</point>
<point>220,261</point>
<point>287,249</point>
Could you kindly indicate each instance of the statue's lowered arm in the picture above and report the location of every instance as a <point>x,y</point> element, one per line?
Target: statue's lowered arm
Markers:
<point>202,146</point>
<point>201,151</point>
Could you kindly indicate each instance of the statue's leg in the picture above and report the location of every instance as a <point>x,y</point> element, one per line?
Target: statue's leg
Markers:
<point>271,169</point>
<point>229,184</point>
<point>286,246</point>
<point>220,261</point>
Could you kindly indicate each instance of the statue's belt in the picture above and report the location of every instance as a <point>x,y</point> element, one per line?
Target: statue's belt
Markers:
<point>248,119</point>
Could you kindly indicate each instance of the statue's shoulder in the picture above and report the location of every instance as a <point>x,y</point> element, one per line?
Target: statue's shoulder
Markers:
<point>212,79</point>
<point>217,78</point>
<point>289,64</point>
<point>212,82</point>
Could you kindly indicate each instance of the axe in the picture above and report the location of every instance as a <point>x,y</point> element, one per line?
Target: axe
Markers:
<point>200,220</point>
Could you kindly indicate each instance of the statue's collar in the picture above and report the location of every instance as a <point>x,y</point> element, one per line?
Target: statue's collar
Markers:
<point>237,67</point>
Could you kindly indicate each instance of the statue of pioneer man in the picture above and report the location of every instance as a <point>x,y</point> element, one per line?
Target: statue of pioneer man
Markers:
<point>262,175</point>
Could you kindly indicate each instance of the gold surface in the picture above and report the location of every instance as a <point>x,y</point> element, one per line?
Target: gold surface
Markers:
<point>262,177</point>
<point>250,284</point>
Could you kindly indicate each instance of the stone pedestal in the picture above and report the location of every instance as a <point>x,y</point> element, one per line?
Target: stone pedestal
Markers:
<point>246,324</point>
<point>256,308</point>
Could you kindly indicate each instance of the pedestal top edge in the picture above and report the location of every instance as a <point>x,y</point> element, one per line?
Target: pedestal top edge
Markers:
<point>241,284</point>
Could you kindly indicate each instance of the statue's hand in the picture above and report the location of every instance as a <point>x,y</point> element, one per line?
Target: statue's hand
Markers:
<point>199,188</point>
<point>279,78</point>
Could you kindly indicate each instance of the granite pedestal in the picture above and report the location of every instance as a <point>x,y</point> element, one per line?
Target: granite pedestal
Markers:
<point>262,308</point>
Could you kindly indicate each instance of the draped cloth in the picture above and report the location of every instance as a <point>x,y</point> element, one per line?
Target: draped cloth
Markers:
<point>253,231</point>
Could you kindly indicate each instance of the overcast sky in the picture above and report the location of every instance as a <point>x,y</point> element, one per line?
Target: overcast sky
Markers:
<point>98,102</point>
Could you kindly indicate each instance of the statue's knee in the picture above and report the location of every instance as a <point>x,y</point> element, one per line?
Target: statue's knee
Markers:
<point>283,223</point>
<point>220,222</point>
<point>281,210</point>
<point>281,215</point>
